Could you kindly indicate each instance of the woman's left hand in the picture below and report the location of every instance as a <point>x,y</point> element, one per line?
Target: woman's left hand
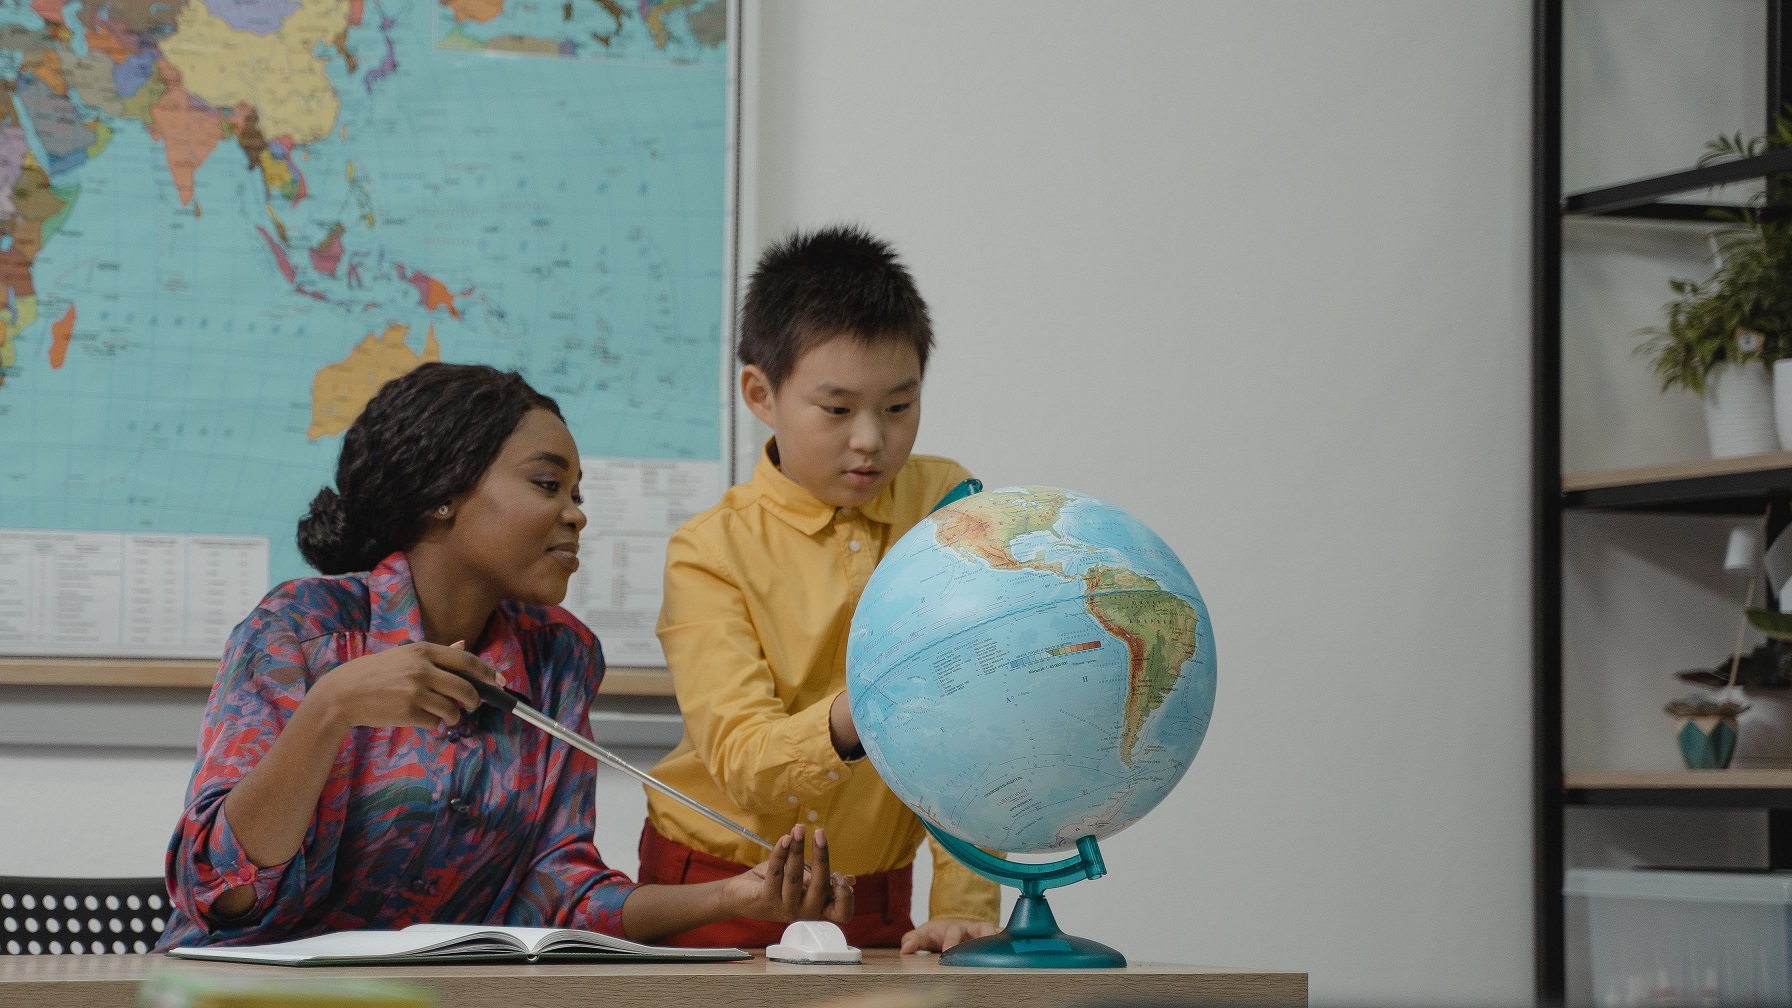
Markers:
<point>783,888</point>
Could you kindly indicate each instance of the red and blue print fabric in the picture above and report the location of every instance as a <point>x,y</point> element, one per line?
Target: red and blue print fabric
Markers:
<point>487,822</point>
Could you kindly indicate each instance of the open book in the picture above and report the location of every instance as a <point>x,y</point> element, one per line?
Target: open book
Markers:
<point>435,943</point>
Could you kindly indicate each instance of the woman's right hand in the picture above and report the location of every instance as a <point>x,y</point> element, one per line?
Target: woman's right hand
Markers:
<point>782,888</point>
<point>411,685</point>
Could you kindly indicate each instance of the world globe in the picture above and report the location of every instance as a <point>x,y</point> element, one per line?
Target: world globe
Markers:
<point>1031,669</point>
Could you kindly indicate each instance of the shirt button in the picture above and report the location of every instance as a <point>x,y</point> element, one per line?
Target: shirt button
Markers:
<point>814,815</point>
<point>846,512</point>
<point>793,799</point>
<point>833,775</point>
<point>854,545</point>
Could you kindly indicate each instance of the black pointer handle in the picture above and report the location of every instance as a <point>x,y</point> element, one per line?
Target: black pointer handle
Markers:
<point>490,693</point>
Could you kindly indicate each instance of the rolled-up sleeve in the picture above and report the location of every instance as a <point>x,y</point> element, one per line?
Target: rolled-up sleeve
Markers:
<point>960,892</point>
<point>261,681</point>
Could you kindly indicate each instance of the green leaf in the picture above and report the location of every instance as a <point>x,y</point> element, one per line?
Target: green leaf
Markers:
<point>1773,624</point>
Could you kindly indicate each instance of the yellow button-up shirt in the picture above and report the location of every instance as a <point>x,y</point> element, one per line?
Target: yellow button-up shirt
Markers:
<point>760,591</point>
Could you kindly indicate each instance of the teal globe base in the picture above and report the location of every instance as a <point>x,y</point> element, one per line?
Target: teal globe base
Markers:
<point>1032,939</point>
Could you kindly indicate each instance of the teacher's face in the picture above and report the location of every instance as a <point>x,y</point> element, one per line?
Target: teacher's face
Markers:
<point>517,529</point>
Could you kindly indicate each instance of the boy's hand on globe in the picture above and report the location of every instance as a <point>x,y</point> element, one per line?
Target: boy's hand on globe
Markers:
<point>783,888</point>
<point>942,933</point>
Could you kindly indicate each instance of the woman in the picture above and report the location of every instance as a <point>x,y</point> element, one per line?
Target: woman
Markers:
<point>348,777</point>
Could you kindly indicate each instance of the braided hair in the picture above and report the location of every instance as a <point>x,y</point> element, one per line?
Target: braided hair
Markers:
<point>423,439</point>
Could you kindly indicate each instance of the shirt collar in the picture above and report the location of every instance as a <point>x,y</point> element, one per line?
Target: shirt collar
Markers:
<point>784,497</point>
<point>396,619</point>
<point>799,508</point>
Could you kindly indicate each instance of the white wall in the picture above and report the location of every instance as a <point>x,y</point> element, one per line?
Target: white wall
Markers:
<point>1257,272</point>
<point>88,812</point>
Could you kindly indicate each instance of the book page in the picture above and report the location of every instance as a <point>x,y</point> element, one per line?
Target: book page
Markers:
<point>439,942</point>
<point>529,939</point>
<point>539,940</point>
<point>365,945</point>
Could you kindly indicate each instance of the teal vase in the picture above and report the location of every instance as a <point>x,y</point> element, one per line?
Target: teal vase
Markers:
<point>1707,743</point>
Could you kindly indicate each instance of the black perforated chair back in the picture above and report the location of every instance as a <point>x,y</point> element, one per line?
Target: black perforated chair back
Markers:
<point>65,916</point>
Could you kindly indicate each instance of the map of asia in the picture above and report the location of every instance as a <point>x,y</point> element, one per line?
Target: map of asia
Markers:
<point>224,223</point>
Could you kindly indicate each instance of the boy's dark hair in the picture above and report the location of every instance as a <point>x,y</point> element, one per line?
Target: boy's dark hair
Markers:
<point>425,437</point>
<point>839,281</point>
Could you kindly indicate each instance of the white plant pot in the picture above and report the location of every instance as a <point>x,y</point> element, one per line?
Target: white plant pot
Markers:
<point>1782,400</point>
<point>1764,731</point>
<point>1739,410</point>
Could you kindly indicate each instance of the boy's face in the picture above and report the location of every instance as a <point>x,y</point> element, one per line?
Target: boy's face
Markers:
<point>845,418</point>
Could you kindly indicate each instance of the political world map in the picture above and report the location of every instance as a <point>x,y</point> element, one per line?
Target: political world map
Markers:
<point>224,223</point>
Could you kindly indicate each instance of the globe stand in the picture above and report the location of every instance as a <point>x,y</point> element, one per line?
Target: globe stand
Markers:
<point>1032,939</point>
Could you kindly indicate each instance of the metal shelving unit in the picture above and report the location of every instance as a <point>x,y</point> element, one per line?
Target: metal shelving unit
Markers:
<point>1740,486</point>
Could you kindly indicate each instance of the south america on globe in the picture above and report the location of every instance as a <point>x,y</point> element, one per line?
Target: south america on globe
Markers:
<point>1031,669</point>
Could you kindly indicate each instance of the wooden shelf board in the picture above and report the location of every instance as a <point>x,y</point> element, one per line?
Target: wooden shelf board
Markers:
<point>636,682</point>
<point>1613,780</point>
<point>178,673</point>
<point>1604,479</point>
<point>186,674</point>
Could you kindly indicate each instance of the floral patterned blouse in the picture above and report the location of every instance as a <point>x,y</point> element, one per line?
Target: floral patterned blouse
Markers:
<point>487,822</point>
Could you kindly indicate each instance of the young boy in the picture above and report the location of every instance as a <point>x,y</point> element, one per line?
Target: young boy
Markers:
<point>760,590</point>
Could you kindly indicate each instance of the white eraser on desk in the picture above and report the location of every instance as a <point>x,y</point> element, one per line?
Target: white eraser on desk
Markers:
<point>813,942</point>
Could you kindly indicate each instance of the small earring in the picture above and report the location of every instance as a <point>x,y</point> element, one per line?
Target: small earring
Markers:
<point>442,512</point>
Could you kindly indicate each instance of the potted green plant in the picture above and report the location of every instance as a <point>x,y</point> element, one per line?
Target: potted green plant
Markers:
<point>1763,679</point>
<point>1706,730</point>
<point>1724,332</point>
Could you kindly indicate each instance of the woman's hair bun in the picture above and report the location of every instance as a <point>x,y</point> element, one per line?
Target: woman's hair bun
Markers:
<point>327,537</point>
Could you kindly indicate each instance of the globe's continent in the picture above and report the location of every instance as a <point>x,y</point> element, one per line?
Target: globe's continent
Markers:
<point>1029,666</point>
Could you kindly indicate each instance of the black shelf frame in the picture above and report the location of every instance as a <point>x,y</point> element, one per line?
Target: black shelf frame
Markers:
<point>1641,198</point>
<point>1771,798</point>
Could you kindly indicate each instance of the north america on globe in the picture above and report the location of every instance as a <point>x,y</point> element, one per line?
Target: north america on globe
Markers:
<point>1157,628</point>
<point>1029,666</point>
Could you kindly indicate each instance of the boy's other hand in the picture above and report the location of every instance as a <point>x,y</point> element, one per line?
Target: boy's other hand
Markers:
<point>841,731</point>
<point>783,888</point>
<point>942,933</point>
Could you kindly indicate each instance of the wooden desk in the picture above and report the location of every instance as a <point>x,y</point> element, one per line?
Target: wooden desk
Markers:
<point>111,980</point>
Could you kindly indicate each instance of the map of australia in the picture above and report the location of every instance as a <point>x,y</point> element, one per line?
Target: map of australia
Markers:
<point>223,223</point>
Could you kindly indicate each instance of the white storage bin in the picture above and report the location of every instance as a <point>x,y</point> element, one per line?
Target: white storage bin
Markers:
<point>1686,937</point>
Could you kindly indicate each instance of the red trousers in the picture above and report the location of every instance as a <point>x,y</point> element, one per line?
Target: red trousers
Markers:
<point>880,901</point>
